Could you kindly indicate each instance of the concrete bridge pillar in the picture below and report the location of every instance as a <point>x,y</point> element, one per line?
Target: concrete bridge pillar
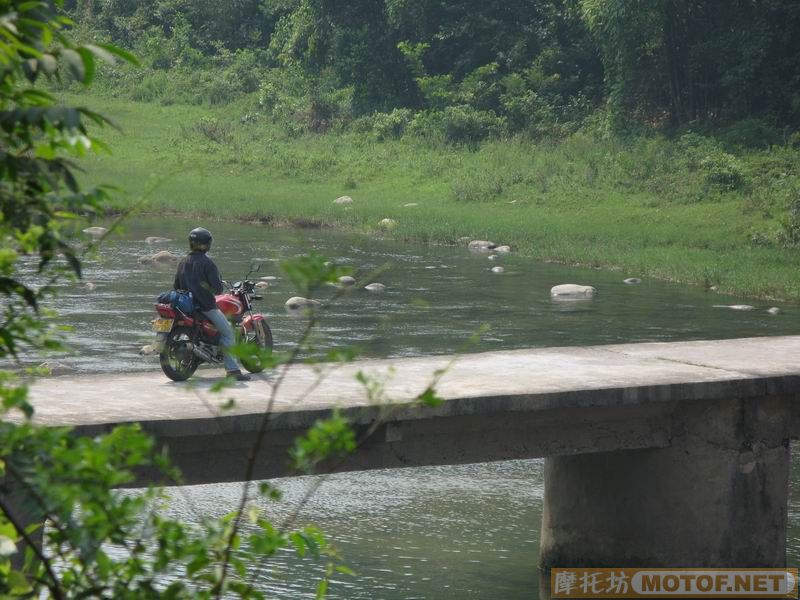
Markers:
<point>717,497</point>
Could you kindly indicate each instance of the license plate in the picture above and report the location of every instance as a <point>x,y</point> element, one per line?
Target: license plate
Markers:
<point>162,325</point>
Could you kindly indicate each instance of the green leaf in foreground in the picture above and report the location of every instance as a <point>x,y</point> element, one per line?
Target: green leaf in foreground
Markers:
<point>430,398</point>
<point>333,437</point>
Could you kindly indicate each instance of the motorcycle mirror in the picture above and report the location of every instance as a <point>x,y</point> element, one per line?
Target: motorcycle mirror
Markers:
<point>255,267</point>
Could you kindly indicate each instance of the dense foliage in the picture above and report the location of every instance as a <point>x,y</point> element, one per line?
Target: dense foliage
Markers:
<point>513,65</point>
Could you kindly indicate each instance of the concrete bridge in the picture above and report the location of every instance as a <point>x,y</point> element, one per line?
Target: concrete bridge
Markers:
<point>673,454</point>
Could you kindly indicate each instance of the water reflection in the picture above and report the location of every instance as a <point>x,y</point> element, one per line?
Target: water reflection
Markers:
<point>438,533</point>
<point>434,532</point>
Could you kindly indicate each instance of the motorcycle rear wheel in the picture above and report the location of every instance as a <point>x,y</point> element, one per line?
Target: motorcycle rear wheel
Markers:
<point>262,337</point>
<point>177,361</point>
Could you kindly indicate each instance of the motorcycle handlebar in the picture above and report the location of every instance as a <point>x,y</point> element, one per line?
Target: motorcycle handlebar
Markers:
<point>247,285</point>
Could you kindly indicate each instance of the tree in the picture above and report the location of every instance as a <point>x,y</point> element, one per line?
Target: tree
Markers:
<point>47,473</point>
<point>687,60</point>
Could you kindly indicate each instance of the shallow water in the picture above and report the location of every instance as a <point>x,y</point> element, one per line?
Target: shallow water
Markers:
<point>436,298</point>
<point>437,532</point>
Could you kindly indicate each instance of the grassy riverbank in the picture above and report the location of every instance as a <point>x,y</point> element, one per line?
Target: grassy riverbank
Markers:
<point>691,210</point>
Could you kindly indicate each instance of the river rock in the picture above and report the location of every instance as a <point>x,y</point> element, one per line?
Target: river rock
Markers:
<point>160,258</point>
<point>492,257</point>
<point>481,246</point>
<point>503,249</point>
<point>387,224</point>
<point>89,286</point>
<point>572,290</point>
<point>744,307</point>
<point>375,288</point>
<point>343,200</point>
<point>148,350</point>
<point>156,240</point>
<point>54,367</point>
<point>300,308</point>
<point>347,281</point>
<point>262,285</point>
<point>498,270</point>
<point>632,281</point>
<point>774,311</point>
<point>95,232</point>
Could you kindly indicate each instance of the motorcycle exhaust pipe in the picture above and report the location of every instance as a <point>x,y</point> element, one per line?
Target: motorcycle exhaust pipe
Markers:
<point>202,354</point>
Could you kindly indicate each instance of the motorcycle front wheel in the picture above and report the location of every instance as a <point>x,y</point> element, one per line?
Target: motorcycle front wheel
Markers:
<point>177,359</point>
<point>261,336</point>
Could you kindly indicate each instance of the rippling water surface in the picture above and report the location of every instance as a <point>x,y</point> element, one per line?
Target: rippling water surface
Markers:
<point>436,298</point>
<point>434,532</point>
<point>440,532</point>
<point>468,531</point>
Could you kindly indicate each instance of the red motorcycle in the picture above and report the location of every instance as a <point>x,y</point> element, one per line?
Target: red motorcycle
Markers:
<point>186,340</point>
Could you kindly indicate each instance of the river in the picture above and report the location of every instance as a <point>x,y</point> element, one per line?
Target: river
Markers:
<point>441,532</point>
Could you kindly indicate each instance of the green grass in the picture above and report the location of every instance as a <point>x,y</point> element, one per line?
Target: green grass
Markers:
<point>648,206</point>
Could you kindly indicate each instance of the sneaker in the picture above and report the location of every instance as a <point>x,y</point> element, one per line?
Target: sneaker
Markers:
<point>238,375</point>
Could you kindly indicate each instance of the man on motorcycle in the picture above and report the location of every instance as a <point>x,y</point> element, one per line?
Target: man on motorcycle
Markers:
<point>198,274</point>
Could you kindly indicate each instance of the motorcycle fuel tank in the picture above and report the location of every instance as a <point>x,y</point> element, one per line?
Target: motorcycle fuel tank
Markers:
<point>229,305</point>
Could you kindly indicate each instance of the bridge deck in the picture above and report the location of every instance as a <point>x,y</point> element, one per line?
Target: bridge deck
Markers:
<point>658,454</point>
<point>511,404</point>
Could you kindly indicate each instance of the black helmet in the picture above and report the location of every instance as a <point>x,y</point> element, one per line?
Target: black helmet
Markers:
<point>200,239</point>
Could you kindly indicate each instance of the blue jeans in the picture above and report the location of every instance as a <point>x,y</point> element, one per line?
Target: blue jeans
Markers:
<point>226,337</point>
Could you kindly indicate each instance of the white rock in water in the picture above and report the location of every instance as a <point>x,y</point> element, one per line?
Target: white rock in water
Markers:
<point>375,288</point>
<point>156,240</point>
<point>165,256</point>
<point>56,368</point>
<point>503,249</point>
<point>492,257</point>
<point>262,285</point>
<point>95,232</point>
<point>481,245</point>
<point>632,281</point>
<point>774,311</point>
<point>148,350</point>
<point>347,281</point>
<point>714,288</point>
<point>300,308</point>
<point>498,270</point>
<point>89,286</point>
<point>571,290</point>
<point>387,224</point>
<point>162,258</point>
<point>343,200</point>
<point>735,306</point>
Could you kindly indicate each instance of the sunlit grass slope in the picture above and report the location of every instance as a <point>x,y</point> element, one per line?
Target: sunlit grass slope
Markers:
<point>648,206</point>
